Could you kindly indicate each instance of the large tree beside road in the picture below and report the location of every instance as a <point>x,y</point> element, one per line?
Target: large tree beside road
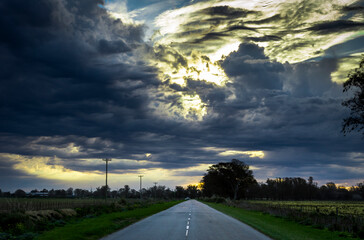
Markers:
<point>227,179</point>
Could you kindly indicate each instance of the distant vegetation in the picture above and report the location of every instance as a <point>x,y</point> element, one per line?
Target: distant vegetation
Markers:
<point>160,192</point>
<point>234,180</point>
<point>231,180</point>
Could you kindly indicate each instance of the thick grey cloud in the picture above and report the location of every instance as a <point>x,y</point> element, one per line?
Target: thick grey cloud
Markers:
<point>336,26</point>
<point>71,78</point>
<point>252,69</point>
<point>55,77</point>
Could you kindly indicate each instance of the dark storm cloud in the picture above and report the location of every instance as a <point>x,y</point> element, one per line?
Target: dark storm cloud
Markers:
<point>210,37</point>
<point>336,26</point>
<point>60,78</point>
<point>266,38</point>
<point>73,87</point>
<point>251,68</point>
<point>225,11</point>
<point>239,26</point>
<point>355,7</point>
<point>54,80</point>
<point>109,47</point>
<point>283,106</point>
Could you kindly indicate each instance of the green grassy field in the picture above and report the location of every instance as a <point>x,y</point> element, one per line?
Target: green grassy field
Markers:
<point>323,207</point>
<point>279,228</point>
<point>97,227</point>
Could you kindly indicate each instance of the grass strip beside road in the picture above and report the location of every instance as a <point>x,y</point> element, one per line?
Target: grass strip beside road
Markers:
<point>276,227</point>
<point>105,224</point>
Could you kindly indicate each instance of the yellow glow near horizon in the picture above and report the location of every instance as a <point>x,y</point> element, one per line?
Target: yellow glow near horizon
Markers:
<point>52,168</point>
<point>49,168</point>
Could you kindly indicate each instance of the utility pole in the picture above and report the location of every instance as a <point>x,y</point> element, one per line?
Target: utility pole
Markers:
<point>107,160</point>
<point>140,176</point>
<point>155,189</point>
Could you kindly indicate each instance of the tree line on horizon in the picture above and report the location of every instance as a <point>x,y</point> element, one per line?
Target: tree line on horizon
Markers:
<point>231,180</point>
<point>160,192</point>
<point>234,180</point>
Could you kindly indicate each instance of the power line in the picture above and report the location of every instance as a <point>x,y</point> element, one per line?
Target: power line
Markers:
<point>140,176</point>
<point>107,160</point>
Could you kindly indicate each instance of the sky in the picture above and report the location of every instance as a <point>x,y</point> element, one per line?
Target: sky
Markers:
<point>167,88</point>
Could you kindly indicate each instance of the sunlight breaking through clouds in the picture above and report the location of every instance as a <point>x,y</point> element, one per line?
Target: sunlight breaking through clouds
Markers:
<point>228,152</point>
<point>193,39</point>
<point>290,31</point>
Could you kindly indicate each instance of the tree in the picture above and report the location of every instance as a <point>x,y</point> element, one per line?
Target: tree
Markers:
<point>20,193</point>
<point>69,192</point>
<point>355,82</point>
<point>229,179</point>
<point>126,190</point>
<point>192,191</point>
<point>180,192</point>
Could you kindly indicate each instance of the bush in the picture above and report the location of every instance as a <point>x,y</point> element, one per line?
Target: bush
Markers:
<point>361,234</point>
<point>5,236</point>
<point>14,221</point>
<point>27,236</point>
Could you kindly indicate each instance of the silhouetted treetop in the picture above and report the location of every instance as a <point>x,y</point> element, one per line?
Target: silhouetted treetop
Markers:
<point>355,82</point>
<point>228,179</point>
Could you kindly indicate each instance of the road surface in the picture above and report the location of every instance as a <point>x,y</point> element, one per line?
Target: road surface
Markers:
<point>190,220</point>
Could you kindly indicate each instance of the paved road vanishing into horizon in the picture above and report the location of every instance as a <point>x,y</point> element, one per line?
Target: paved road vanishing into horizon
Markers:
<point>190,220</point>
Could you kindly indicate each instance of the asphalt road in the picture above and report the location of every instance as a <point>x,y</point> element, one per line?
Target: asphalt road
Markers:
<point>188,220</point>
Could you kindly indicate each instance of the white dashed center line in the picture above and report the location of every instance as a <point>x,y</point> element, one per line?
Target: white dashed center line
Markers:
<point>188,222</point>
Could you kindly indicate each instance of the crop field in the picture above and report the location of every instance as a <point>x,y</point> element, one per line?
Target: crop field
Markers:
<point>35,204</point>
<point>321,207</point>
<point>334,215</point>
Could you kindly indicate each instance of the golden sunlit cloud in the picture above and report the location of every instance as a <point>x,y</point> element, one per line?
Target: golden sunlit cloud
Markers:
<point>193,107</point>
<point>48,168</point>
<point>38,144</point>
<point>252,154</point>
<point>345,66</point>
<point>298,43</point>
<point>228,152</point>
<point>195,38</point>
<point>185,107</point>
<point>119,10</point>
